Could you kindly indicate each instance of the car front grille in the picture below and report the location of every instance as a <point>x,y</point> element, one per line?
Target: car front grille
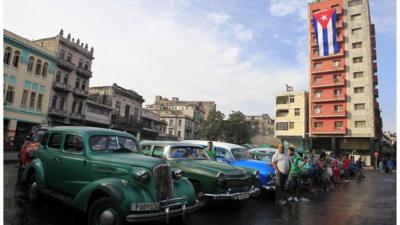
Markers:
<point>239,182</point>
<point>163,181</point>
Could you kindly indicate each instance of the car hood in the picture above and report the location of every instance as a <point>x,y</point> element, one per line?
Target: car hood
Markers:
<point>261,166</point>
<point>209,166</point>
<point>132,159</point>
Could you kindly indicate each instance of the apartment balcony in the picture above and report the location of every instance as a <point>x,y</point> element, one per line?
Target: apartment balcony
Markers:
<point>77,116</point>
<point>61,86</point>
<point>80,92</point>
<point>316,57</point>
<point>83,72</point>
<point>376,93</point>
<point>335,83</point>
<point>375,80</point>
<point>373,42</point>
<point>332,69</point>
<point>329,114</point>
<point>330,99</point>
<point>375,67</point>
<point>342,130</point>
<point>58,112</point>
<point>372,30</point>
<point>376,105</point>
<point>127,123</point>
<point>373,54</point>
<point>65,64</point>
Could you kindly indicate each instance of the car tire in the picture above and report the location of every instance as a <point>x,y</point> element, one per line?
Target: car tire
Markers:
<point>33,191</point>
<point>199,190</point>
<point>258,185</point>
<point>104,212</point>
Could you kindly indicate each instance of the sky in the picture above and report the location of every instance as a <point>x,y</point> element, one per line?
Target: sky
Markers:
<point>239,54</point>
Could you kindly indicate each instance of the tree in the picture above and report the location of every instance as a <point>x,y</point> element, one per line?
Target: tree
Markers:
<point>212,128</point>
<point>236,129</point>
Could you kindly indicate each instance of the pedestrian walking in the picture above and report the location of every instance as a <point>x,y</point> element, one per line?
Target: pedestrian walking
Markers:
<point>281,163</point>
<point>322,171</point>
<point>294,175</point>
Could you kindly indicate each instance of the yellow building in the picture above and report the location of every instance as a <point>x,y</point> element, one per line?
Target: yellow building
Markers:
<point>28,73</point>
<point>291,124</point>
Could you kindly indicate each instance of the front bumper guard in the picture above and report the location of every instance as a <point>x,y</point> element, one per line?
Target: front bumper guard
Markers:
<point>270,186</point>
<point>166,214</point>
<point>231,196</point>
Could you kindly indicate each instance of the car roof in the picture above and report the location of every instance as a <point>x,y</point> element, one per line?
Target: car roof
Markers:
<point>215,143</point>
<point>263,149</point>
<point>165,143</point>
<point>83,130</point>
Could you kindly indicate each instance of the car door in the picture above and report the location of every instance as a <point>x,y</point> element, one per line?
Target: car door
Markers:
<point>73,165</point>
<point>51,159</point>
<point>223,155</point>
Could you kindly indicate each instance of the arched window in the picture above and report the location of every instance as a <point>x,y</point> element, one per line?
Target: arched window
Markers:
<point>31,63</point>
<point>54,102</point>
<point>66,78</point>
<point>38,66</point>
<point>77,83</point>
<point>58,76</point>
<point>7,55</point>
<point>16,58</point>
<point>45,69</point>
<point>62,54</point>
<point>86,65</point>
<point>62,101</point>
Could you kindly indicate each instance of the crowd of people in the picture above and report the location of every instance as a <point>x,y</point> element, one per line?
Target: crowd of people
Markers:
<point>324,171</point>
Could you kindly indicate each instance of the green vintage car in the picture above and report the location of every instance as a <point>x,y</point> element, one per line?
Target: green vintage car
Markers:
<point>211,180</point>
<point>99,172</point>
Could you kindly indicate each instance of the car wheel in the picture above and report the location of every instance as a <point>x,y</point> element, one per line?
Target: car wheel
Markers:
<point>104,212</point>
<point>199,190</point>
<point>258,193</point>
<point>33,189</point>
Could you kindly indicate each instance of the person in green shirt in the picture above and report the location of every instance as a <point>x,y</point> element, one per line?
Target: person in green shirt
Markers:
<point>210,151</point>
<point>296,165</point>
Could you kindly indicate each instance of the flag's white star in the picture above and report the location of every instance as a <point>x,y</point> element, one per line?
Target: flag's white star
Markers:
<point>323,17</point>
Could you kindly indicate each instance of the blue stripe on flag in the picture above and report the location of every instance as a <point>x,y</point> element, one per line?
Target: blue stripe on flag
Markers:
<point>335,44</point>
<point>316,32</point>
<point>325,38</point>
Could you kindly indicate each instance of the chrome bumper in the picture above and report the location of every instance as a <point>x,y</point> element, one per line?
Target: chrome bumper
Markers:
<point>231,196</point>
<point>271,185</point>
<point>165,215</point>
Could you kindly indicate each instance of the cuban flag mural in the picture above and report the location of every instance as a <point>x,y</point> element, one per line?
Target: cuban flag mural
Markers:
<point>325,32</point>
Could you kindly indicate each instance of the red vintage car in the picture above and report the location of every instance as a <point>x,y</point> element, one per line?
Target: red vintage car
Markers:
<point>30,147</point>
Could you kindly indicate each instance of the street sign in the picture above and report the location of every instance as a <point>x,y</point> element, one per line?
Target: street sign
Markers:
<point>376,154</point>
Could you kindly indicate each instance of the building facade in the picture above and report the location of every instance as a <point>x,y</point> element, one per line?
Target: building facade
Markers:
<point>71,81</point>
<point>126,107</point>
<point>183,118</point>
<point>344,111</point>
<point>97,114</point>
<point>261,129</point>
<point>28,73</point>
<point>291,123</point>
<point>153,128</point>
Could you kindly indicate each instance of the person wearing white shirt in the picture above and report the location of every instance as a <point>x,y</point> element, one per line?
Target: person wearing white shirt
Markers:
<point>281,163</point>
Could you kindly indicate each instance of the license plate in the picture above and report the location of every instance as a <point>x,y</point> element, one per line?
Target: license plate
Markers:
<point>243,196</point>
<point>145,206</point>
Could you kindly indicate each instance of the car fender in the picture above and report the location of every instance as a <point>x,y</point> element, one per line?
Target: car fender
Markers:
<point>183,187</point>
<point>36,166</point>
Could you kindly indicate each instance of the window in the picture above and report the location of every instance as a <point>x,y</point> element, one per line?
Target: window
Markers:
<point>358,74</point>
<point>359,106</point>
<point>7,55</point>
<point>317,65</point>
<point>83,86</point>
<point>73,143</point>
<point>58,76</point>
<point>62,54</point>
<point>24,99</point>
<point>291,98</point>
<point>55,141</point>
<point>179,134</point>
<point>117,108</point>
<point>62,102</point>
<point>357,44</point>
<point>15,62</point>
<point>336,77</point>
<point>291,125</point>
<point>86,66</point>
<point>338,125</point>
<point>281,126</point>
<point>80,63</point>
<point>38,66</point>
<point>10,94</point>
<point>127,111</point>
<point>359,90</point>
<point>356,31</point>
<point>66,78</point>
<point>80,107</point>
<point>337,108</point>
<point>77,83</point>
<point>32,100</point>
<point>358,59</point>
<point>355,17</point>
<point>297,112</point>
<point>317,79</point>
<point>315,10</point>
<point>69,57</point>
<point>73,106</point>
<point>317,93</point>
<point>335,6</point>
<point>54,102</point>
<point>317,109</point>
<point>171,122</point>
<point>318,124</point>
<point>354,3</point>
<point>30,64</point>
<point>335,63</point>
<point>337,92</point>
<point>39,102</point>
<point>45,68</point>
<point>179,122</point>
<point>359,124</point>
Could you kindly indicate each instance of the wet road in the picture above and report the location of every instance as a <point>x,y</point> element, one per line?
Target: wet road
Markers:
<point>373,201</point>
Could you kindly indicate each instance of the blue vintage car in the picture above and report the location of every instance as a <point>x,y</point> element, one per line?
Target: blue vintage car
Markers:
<point>238,156</point>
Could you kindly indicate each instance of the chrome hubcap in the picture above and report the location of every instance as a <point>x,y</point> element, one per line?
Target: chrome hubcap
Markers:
<point>107,217</point>
<point>33,190</point>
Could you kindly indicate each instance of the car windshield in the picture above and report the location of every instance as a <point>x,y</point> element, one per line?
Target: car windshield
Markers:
<point>112,143</point>
<point>187,152</point>
<point>268,158</point>
<point>240,153</point>
<point>39,135</point>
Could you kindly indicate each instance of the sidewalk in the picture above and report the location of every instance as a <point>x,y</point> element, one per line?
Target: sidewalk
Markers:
<point>10,157</point>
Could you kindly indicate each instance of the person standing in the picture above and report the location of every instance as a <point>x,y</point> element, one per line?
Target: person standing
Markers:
<point>210,151</point>
<point>294,175</point>
<point>282,165</point>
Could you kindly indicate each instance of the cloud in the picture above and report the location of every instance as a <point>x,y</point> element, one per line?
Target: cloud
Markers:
<point>289,7</point>
<point>219,18</point>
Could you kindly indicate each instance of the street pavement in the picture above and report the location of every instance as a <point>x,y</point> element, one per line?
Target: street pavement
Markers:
<point>373,201</point>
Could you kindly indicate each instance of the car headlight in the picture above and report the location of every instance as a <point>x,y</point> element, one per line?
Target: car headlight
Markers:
<point>257,174</point>
<point>220,178</point>
<point>143,175</point>
<point>177,174</point>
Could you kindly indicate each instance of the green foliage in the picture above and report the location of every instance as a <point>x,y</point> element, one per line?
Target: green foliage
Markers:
<point>212,128</point>
<point>237,130</point>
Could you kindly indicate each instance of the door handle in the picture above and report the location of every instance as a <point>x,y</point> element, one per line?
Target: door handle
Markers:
<point>58,160</point>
